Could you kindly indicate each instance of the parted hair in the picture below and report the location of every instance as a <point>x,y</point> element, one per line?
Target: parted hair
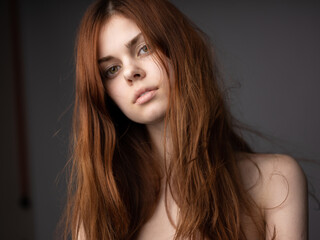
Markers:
<point>115,176</point>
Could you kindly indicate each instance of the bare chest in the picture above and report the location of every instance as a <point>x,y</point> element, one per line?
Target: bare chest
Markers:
<point>159,227</point>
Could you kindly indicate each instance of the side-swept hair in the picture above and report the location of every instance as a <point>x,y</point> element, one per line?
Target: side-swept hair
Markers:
<point>115,178</point>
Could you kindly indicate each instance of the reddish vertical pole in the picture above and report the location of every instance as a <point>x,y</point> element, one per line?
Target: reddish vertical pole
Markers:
<point>19,92</point>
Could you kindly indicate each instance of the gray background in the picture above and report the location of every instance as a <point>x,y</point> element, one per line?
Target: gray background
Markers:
<point>269,52</point>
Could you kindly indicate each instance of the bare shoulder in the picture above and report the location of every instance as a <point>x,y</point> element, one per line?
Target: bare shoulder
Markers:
<point>278,185</point>
<point>269,172</point>
<point>270,163</point>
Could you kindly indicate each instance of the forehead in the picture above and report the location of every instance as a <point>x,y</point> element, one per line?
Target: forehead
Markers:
<point>115,33</point>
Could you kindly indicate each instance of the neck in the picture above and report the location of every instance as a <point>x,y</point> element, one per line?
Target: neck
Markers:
<point>156,132</point>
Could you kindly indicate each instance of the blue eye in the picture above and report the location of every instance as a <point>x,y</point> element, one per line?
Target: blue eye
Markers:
<point>111,72</point>
<point>143,50</point>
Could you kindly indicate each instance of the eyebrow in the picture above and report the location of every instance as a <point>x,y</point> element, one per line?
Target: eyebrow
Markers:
<point>129,44</point>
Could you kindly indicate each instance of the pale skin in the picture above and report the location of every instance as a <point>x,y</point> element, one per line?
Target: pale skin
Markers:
<point>280,188</point>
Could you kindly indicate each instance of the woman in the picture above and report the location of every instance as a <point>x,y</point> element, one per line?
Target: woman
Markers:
<point>156,151</point>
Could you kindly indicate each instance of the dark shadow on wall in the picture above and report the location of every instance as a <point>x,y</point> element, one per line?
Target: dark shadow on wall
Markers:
<point>16,210</point>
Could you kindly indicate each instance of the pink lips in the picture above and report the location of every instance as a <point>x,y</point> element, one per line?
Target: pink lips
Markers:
<point>144,95</point>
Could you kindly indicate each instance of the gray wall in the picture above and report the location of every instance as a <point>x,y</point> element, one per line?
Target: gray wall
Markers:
<point>48,34</point>
<point>269,53</point>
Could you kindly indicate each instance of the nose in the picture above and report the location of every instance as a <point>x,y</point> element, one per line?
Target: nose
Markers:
<point>133,73</point>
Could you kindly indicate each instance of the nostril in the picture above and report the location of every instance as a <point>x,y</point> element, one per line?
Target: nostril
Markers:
<point>137,75</point>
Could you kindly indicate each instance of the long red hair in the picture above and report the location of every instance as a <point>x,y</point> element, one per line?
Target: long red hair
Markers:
<point>115,182</point>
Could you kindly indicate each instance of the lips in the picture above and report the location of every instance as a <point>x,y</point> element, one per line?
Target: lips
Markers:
<point>144,95</point>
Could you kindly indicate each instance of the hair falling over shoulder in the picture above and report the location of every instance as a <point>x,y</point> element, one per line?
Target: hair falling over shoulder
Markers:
<point>115,176</point>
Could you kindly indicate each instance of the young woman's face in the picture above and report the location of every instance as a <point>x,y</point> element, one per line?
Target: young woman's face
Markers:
<point>133,79</point>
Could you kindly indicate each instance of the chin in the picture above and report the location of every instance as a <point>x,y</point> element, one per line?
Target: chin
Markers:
<point>149,114</point>
<point>148,118</point>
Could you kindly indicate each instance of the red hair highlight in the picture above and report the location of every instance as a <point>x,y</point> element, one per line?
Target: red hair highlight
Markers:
<point>115,182</point>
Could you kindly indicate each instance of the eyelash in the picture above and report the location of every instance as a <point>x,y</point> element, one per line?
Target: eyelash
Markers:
<point>145,46</point>
<point>106,74</point>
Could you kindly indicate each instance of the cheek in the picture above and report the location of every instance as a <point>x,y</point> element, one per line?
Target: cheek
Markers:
<point>113,90</point>
<point>170,73</point>
<point>165,70</point>
<point>159,72</point>
<point>168,80</point>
